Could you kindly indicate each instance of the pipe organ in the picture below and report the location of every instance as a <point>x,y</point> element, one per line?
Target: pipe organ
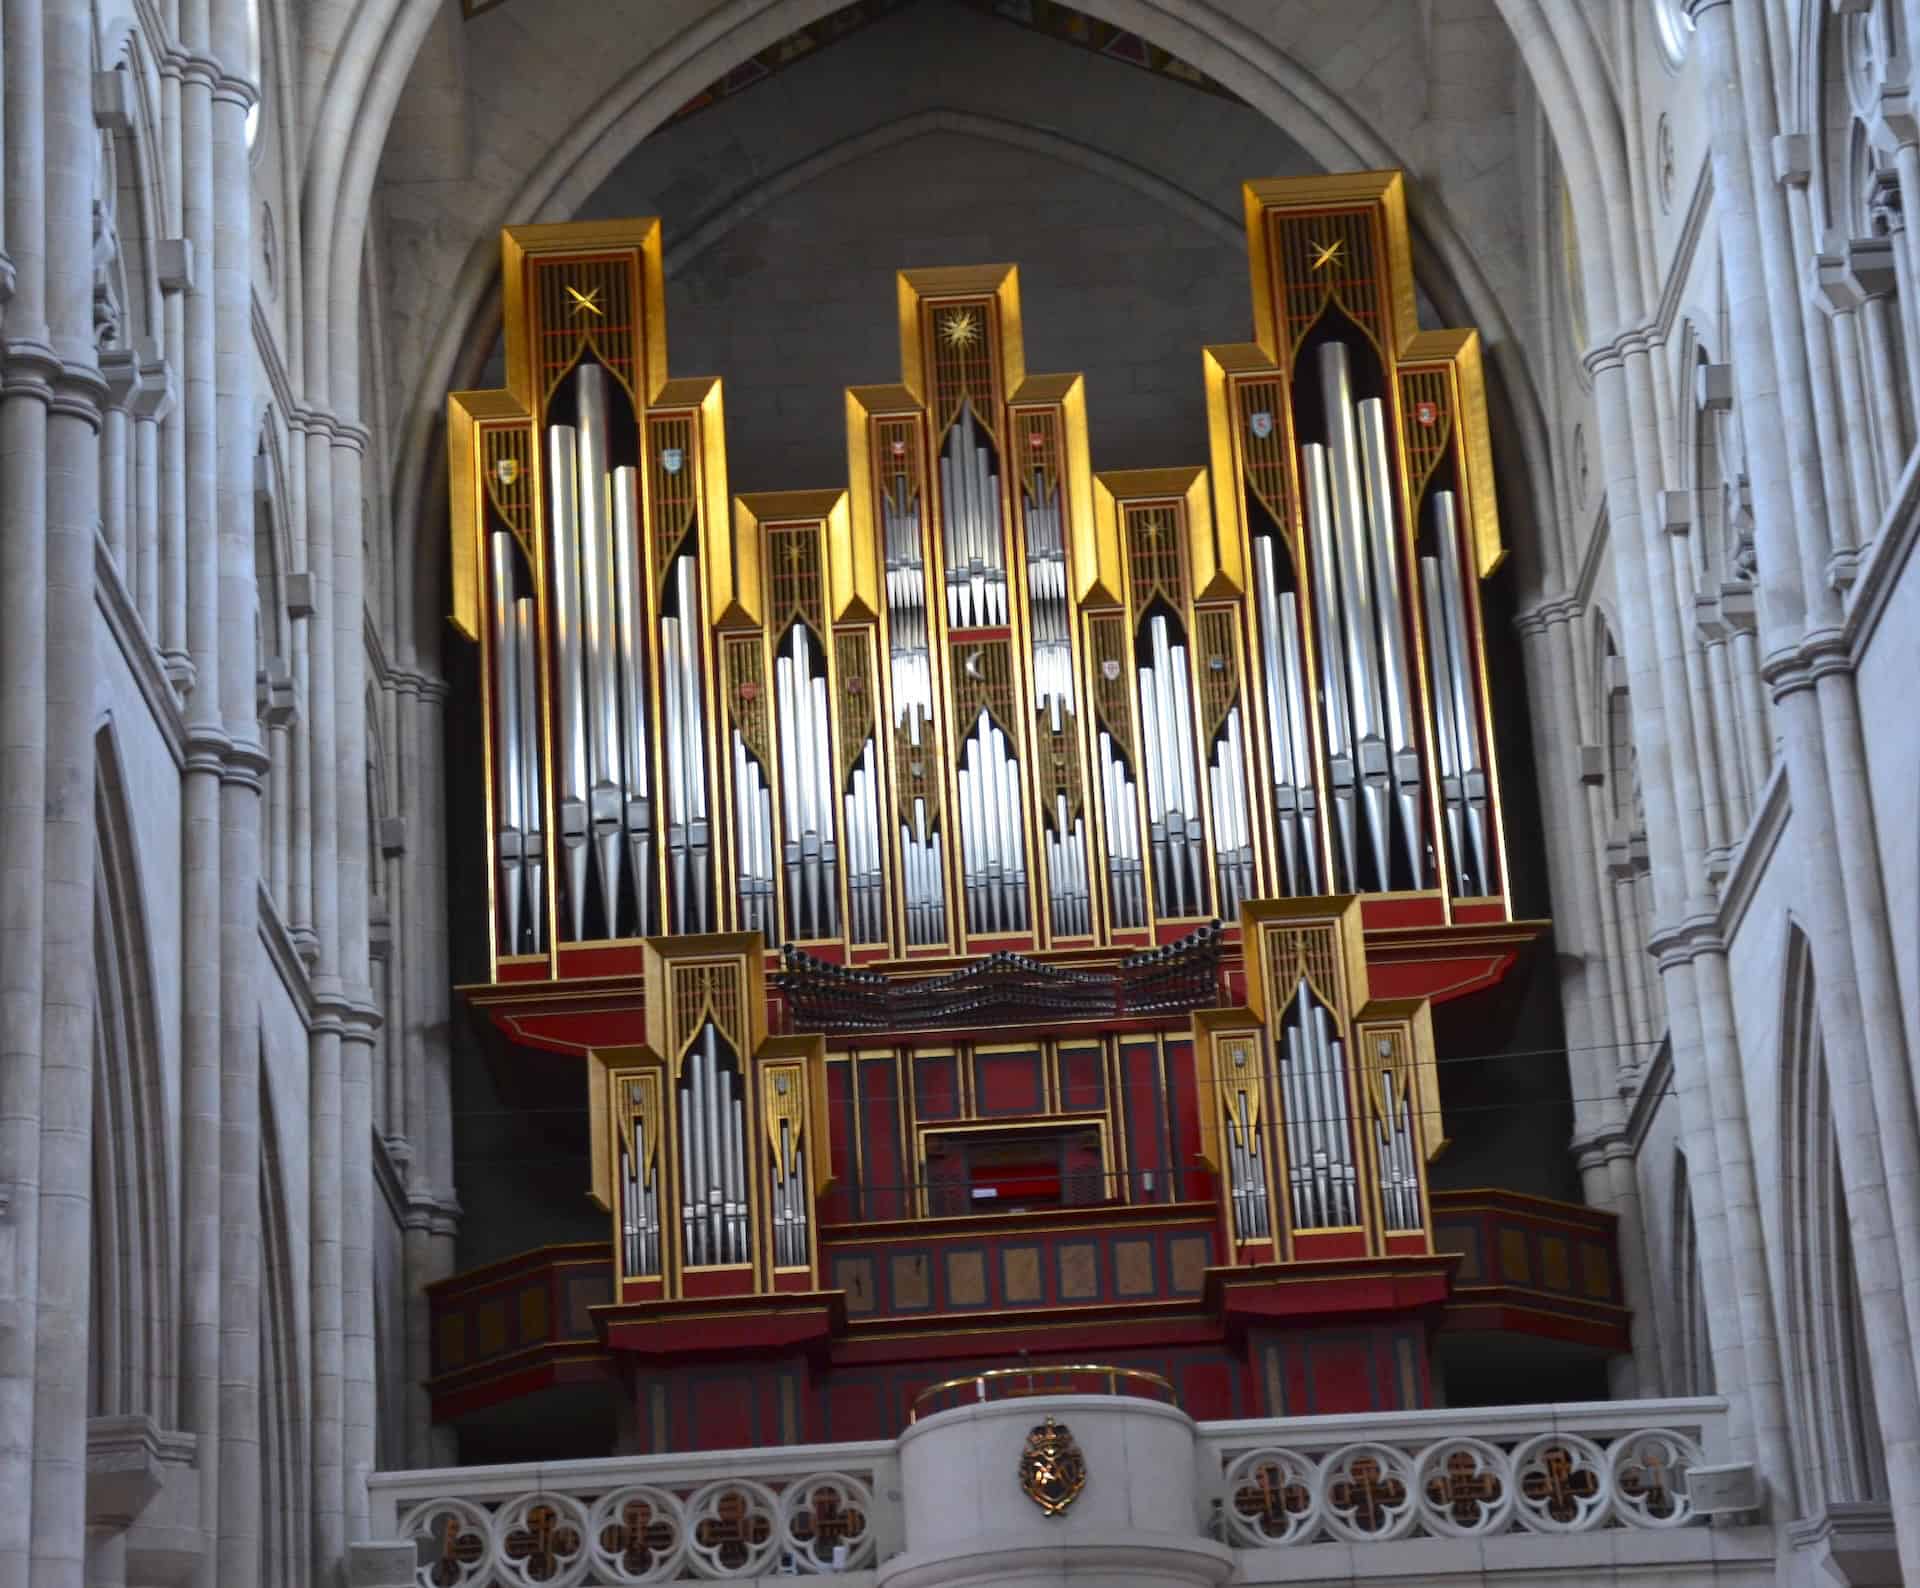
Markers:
<point>991,835</point>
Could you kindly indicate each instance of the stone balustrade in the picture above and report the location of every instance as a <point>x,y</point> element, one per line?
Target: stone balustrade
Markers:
<point>1285,1495</point>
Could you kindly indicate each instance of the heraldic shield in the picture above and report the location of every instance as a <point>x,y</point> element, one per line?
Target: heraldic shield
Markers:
<point>1052,1470</point>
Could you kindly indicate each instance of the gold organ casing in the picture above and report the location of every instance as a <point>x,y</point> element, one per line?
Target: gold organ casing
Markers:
<point>1324,251</point>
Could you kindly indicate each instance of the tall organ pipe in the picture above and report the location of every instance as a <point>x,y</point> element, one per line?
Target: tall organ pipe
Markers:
<point>1459,690</point>
<point>1342,781</point>
<point>592,492</point>
<point>533,849</point>
<point>573,776</point>
<point>508,686</point>
<point>1356,595</point>
<point>629,575</point>
<point>1396,679</point>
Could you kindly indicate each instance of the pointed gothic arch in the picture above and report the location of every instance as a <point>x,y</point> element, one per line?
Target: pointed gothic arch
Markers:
<point>1839,1456</point>
<point>134,1345</point>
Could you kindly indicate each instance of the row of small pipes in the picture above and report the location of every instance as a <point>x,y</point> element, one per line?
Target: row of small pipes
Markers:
<point>1175,832</point>
<point>1064,832</point>
<point>640,1199</point>
<point>910,662</point>
<point>976,569</point>
<point>713,1162</point>
<point>992,836</point>
<point>605,795</point>
<point>1314,1101</point>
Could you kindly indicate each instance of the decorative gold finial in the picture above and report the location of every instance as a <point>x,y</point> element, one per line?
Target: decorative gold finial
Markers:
<point>1052,1470</point>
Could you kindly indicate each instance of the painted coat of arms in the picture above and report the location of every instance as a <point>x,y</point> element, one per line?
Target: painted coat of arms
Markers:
<point>1052,1470</point>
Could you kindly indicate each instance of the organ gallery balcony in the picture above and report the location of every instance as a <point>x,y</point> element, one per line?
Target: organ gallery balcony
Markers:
<point>1116,1487</point>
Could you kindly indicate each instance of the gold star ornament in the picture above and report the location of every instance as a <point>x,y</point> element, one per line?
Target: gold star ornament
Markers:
<point>1325,254</point>
<point>960,329</point>
<point>587,302</point>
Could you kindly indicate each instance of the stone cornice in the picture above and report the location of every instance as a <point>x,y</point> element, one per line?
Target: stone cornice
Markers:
<point>1754,856</point>
<point>138,651</point>
<point>1687,245</point>
<point>1886,561</point>
<point>285,957</point>
<point>1656,1080</point>
<point>391,1178</point>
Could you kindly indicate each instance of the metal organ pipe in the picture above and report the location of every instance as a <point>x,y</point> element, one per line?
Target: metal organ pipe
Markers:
<point>508,688</point>
<point>1070,908</point>
<point>591,501</point>
<point>533,848</point>
<point>629,573</point>
<point>688,837</point>
<point>1463,767</point>
<point>1125,878</point>
<point>1396,678</point>
<point>912,679</point>
<point>1353,526</point>
<point>573,778</point>
<point>1166,733</point>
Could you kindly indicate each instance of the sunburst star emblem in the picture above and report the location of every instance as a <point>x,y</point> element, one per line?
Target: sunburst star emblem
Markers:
<point>960,329</point>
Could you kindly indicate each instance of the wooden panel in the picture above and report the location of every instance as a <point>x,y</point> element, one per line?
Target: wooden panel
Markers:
<point>1082,1078</point>
<point>1146,1121</point>
<point>936,1086</point>
<point>1009,1083</point>
<point>883,1188</point>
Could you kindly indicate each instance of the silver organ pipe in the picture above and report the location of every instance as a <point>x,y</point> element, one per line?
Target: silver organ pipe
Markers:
<point>593,492</point>
<point>1125,878</point>
<point>1245,1172</point>
<point>1336,725</point>
<point>629,574</point>
<point>1463,765</point>
<point>1399,1167</point>
<point>1283,672</point>
<point>806,779</point>
<point>862,802</point>
<point>572,779</point>
<point>753,823</point>
<point>1396,675</point>
<point>912,677</point>
<point>1313,1086</point>
<point>640,1202</point>
<point>688,834</point>
<point>789,1200</point>
<point>1166,735</point>
<point>604,697</point>
<point>1064,834</point>
<point>976,575</point>
<point>714,1203</point>
<point>508,688</point>
<point>1232,832</point>
<point>1302,1183</point>
<point>1373,753</point>
<point>533,849</point>
<point>992,843</point>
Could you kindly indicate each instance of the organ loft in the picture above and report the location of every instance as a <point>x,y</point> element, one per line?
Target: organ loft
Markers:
<point>996,910</point>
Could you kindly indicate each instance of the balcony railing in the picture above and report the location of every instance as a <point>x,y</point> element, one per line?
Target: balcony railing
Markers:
<point>1461,1474</point>
<point>1481,1486</point>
